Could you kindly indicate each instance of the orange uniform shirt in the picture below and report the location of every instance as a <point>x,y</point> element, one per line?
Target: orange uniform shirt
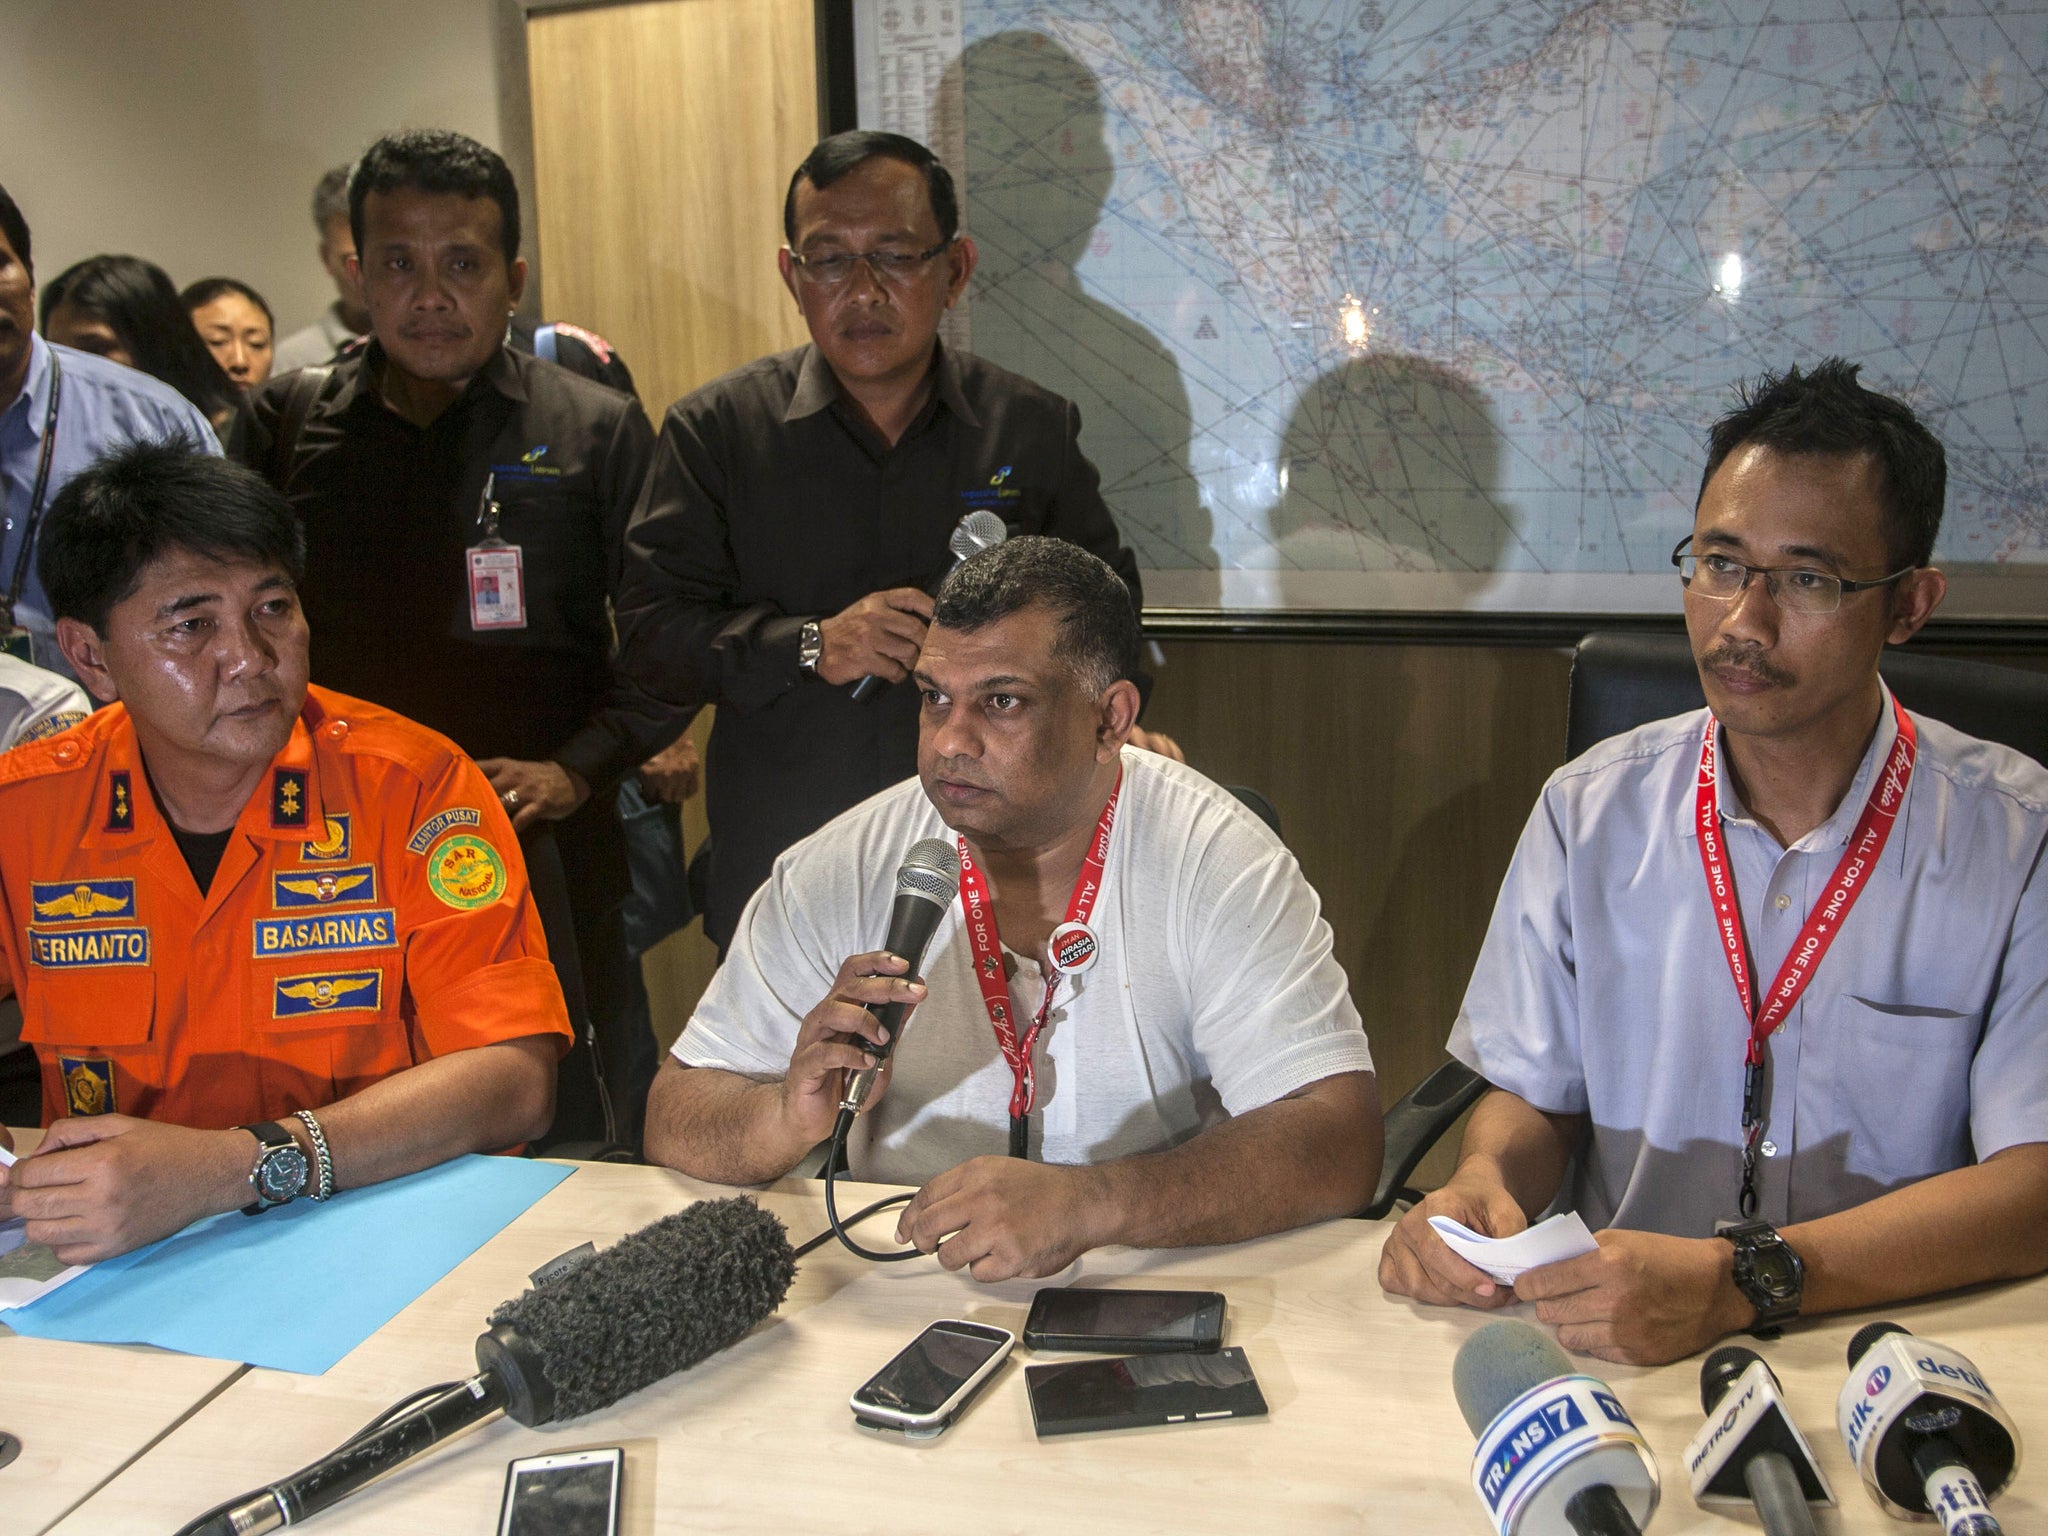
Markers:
<point>371,912</point>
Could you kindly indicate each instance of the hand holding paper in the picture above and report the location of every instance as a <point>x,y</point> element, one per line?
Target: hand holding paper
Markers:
<point>1507,1259</point>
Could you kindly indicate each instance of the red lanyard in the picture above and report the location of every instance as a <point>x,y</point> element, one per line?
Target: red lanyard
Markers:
<point>1866,847</point>
<point>1072,950</point>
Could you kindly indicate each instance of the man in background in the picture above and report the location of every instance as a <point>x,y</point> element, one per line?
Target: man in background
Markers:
<point>799,509</point>
<point>464,506</point>
<point>345,319</point>
<point>59,410</point>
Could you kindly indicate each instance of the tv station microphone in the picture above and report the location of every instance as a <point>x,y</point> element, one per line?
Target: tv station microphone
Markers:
<point>971,535</point>
<point>656,1302</point>
<point>1927,1436</point>
<point>1749,1451</point>
<point>1558,1455</point>
<point>926,884</point>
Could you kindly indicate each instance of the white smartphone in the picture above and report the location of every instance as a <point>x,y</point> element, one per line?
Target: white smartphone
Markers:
<point>573,1494</point>
<point>932,1379</point>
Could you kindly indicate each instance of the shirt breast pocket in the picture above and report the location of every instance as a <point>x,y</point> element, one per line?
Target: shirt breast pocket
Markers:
<point>88,1010</point>
<point>562,560</point>
<point>1906,1091</point>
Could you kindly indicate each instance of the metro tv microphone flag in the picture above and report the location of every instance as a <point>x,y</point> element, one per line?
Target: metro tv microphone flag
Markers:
<point>656,1302</point>
<point>1927,1436</point>
<point>1749,1451</point>
<point>1558,1455</point>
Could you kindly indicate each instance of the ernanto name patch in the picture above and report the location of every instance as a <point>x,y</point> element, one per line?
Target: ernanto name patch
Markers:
<point>375,929</point>
<point>78,947</point>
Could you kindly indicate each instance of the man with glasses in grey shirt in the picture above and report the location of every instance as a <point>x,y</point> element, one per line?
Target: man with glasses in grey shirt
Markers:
<point>1765,995</point>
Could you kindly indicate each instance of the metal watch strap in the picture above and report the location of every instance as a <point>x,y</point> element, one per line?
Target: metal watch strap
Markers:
<point>810,646</point>
<point>323,1160</point>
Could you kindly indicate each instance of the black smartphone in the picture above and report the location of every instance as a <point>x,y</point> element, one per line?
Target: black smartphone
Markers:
<point>1074,1397</point>
<point>1124,1322</point>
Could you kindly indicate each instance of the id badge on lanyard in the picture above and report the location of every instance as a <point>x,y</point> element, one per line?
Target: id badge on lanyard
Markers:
<point>1852,874</point>
<point>497,575</point>
<point>14,640</point>
<point>1071,951</point>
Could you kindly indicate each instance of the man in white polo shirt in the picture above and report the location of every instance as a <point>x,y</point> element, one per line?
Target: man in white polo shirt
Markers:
<point>1765,996</point>
<point>1205,1079</point>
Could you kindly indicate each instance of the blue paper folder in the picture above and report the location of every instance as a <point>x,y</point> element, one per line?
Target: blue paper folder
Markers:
<point>299,1286</point>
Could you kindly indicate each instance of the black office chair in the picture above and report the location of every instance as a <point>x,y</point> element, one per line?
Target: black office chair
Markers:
<point>1621,681</point>
<point>584,1128</point>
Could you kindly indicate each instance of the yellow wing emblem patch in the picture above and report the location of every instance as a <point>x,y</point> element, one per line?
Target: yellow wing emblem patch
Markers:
<point>344,992</point>
<point>77,901</point>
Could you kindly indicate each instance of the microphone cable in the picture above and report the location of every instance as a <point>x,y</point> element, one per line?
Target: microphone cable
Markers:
<point>834,1160</point>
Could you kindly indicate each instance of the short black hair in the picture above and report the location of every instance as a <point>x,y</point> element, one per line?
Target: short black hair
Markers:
<point>836,156</point>
<point>15,228</point>
<point>136,298</point>
<point>436,160</point>
<point>1099,636</point>
<point>144,501</point>
<point>330,197</point>
<point>1825,411</point>
<point>202,293</point>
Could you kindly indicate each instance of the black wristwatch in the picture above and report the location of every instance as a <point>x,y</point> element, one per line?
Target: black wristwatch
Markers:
<point>280,1172</point>
<point>810,645</point>
<point>1768,1273</point>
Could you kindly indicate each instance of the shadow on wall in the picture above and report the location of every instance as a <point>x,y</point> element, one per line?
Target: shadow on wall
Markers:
<point>1039,169</point>
<point>1391,462</point>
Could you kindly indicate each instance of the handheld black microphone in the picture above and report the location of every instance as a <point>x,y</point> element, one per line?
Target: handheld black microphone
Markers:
<point>1749,1451</point>
<point>654,1303</point>
<point>926,884</point>
<point>1927,1436</point>
<point>975,532</point>
<point>1558,1455</point>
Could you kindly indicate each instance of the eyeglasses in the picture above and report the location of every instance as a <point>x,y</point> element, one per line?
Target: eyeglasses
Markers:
<point>1795,588</point>
<point>894,268</point>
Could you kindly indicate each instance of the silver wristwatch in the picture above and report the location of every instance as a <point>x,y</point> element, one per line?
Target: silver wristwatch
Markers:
<point>280,1171</point>
<point>810,645</point>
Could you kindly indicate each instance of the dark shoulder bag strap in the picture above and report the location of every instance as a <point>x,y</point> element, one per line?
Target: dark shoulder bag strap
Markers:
<point>307,384</point>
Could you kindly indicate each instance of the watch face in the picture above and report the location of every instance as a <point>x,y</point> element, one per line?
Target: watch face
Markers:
<point>282,1174</point>
<point>1774,1270</point>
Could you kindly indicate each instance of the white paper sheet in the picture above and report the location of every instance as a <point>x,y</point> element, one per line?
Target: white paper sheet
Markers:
<point>28,1270</point>
<point>1563,1236</point>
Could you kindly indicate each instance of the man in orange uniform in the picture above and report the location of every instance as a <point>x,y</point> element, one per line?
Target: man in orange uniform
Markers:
<point>268,940</point>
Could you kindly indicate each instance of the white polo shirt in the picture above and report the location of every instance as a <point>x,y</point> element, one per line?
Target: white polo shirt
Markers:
<point>1215,991</point>
<point>1920,1045</point>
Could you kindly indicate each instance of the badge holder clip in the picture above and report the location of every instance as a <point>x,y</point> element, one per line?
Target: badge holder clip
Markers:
<point>497,575</point>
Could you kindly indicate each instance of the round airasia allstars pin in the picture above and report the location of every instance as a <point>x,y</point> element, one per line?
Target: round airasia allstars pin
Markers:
<point>1073,948</point>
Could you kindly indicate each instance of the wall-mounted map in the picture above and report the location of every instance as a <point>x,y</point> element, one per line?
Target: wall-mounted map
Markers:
<point>1426,304</point>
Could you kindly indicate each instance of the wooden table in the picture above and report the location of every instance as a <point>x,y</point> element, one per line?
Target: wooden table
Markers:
<point>84,1411</point>
<point>1363,1436</point>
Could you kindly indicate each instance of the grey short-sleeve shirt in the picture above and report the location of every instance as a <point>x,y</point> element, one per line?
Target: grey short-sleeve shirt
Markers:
<point>1920,1045</point>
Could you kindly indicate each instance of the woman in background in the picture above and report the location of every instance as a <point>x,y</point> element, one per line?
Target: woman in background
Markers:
<point>125,309</point>
<point>236,324</point>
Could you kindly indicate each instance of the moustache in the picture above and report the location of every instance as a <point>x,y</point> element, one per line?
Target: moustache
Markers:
<point>1740,659</point>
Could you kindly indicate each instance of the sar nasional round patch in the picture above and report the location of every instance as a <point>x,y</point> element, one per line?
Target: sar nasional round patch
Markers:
<point>466,872</point>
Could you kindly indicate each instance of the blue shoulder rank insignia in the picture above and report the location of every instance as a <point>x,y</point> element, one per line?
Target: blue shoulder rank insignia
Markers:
<point>88,1084</point>
<point>120,802</point>
<point>327,992</point>
<point>434,826</point>
<point>77,901</point>
<point>323,887</point>
<point>332,846</point>
<point>288,797</point>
